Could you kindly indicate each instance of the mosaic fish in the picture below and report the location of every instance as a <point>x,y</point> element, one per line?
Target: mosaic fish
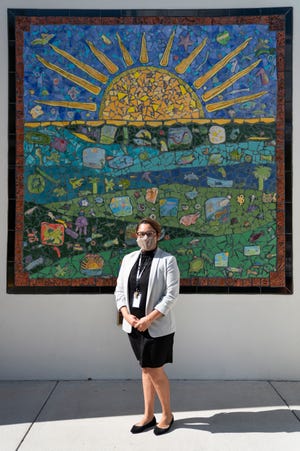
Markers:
<point>30,211</point>
<point>186,159</point>
<point>38,262</point>
<point>121,162</point>
<point>111,243</point>
<point>181,251</point>
<point>188,220</point>
<point>234,269</point>
<point>255,236</point>
<point>191,176</point>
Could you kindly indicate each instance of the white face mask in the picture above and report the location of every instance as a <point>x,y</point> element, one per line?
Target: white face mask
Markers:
<point>146,243</point>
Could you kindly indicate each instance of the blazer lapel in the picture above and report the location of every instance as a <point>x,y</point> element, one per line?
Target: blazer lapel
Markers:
<point>153,269</point>
<point>128,268</point>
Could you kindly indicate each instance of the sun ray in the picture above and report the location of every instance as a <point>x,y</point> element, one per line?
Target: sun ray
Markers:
<point>166,55</point>
<point>230,81</point>
<point>67,104</point>
<point>83,66</point>
<point>220,64</point>
<point>126,55</point>
<point>107,62</point>
<point>186,62</point>
<point>227,103</point>
<point>74,78</point>
<point>144,59</point>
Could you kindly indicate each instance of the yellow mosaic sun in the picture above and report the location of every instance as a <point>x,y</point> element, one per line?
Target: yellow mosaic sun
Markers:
<point>149,94</point>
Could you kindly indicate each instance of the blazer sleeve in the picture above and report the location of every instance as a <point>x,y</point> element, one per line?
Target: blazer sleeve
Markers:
<point>121,287</point>
<point>171,289</point>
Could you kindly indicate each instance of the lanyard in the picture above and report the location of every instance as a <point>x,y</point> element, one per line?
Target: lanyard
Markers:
<point>140,271</point>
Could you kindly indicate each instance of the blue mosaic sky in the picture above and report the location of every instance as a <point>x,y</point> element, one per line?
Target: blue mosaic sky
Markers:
<point>41,83</point>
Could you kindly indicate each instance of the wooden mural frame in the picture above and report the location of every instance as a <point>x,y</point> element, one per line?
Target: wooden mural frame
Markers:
<point>181,115</point>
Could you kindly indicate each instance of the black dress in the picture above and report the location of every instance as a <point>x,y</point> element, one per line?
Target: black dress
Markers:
<point>151,352</point>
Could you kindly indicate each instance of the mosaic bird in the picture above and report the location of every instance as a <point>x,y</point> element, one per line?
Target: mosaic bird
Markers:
<point>43,40</point>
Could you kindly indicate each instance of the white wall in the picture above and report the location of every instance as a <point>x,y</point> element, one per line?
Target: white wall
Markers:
<point>76,336</point>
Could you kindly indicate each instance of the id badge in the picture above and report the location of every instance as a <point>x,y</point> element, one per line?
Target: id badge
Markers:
<point>136,300</point>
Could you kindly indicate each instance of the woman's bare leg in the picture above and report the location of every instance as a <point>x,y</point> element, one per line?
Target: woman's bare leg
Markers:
<point>149,397</point>
<point>161,385</point>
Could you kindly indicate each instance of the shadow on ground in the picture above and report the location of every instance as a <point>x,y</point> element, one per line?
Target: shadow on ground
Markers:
<point>252,406</point>
<point>266,421</point>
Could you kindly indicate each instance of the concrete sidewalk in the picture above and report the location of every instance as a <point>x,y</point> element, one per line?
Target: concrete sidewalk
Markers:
<point>98,415</point>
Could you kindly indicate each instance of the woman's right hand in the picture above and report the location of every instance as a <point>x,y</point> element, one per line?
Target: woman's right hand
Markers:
<point>131,319</point>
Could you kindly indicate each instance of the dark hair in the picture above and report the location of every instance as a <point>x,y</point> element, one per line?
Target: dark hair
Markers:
<point>154,224</point>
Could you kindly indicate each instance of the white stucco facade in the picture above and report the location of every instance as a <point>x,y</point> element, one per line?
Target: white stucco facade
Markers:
<point>218,336</point>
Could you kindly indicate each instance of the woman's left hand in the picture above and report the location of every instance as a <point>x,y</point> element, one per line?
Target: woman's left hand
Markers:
<point>143,324</point>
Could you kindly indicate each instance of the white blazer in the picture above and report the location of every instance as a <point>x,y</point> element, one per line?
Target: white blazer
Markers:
<point>163,290</point>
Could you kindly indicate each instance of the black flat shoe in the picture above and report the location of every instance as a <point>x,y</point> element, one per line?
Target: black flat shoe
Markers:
<point>137,429</point>
<point>161,431</point>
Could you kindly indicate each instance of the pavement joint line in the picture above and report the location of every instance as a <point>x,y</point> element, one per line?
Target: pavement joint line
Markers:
<point>38,414</point>
<point>285,402</point>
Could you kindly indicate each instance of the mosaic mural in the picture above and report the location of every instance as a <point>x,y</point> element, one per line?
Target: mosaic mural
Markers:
<point>179,119</point>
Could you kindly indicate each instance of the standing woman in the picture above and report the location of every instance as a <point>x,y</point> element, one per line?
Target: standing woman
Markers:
<point>146,292</point>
